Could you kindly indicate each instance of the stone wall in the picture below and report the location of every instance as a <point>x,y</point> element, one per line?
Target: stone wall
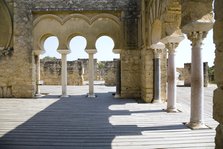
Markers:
<point>51,72</point>
<point>77,72</point>
<point>109,73</point>
<point>218,93</point>
<point>187,74</point>
<point>130,74</point>
<point>18,71</point>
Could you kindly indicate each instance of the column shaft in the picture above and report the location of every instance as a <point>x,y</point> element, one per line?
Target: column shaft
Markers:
<point>157,80</point>
<point>91,75</point>
<point>37,62</point>
<point>172,80</point>
<point>118,78</point>
<point>64,75</point>
<point>197,92</point>
<point>197,81</point>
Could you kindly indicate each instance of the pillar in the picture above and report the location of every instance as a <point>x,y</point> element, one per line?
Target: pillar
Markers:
<point>91,68</point>
<point>37,54</point>
<point>118,78</point>
<point>118,74</point>
<point>157,48</point>
<point>197,80</point>
<point>171,77</point>
<point>64,71</point>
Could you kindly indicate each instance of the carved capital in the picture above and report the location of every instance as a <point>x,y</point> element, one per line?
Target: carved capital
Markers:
<point>172,47</point>
<point>197,37</point>
<point>157,53</point>
<point>64,51</point>
<point>91,51</point>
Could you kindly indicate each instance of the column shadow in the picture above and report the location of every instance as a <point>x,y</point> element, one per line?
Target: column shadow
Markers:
<point>76,122</point>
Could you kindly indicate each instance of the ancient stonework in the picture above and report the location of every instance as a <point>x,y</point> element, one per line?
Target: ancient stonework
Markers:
<point>218,94</point>
<point>51,72</point>
<point>187,74</point>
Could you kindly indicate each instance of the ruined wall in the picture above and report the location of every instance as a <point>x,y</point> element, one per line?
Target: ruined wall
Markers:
<point>187,74</point>
<point>109,75</point>
<point>85,69</point>
<point>51,72</point>
<point>17,72</point>
<point>218,93</point>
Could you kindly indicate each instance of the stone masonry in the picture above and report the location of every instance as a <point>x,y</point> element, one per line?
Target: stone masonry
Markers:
<point>77,72</point>
<point>187,74</point>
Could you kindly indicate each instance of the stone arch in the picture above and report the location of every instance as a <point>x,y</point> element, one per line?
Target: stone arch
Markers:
<point>78,24</point>
<point>76,16</point>
<point>42,39</point>
<point>107,16</point>
<point>5,25</point>
<point>73,35</point>
<point>41,30</point>
<point>47,16</point>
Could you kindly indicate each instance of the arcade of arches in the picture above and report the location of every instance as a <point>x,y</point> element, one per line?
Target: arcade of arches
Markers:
<point>145,34</point>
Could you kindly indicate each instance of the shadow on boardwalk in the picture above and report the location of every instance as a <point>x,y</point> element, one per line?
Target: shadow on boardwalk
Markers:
<point>76,122</point>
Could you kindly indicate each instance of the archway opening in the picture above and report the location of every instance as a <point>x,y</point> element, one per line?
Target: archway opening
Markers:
<point>50,62</point>
<point>106,61</point>
<point>77,61</point>
<point>50,46</point>
<point>77,46</point>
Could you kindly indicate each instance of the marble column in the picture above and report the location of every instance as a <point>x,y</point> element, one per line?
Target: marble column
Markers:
<point>171,78</point>
<point>91,68</point>
<point>64,71</point>
<point>197,80</point>
<point>157,48</point>
<point>37,54</point>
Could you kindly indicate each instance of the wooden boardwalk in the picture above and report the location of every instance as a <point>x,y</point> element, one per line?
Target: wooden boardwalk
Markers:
<point>102,123</point>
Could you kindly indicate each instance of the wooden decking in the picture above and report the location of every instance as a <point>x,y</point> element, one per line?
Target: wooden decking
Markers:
<point>102,123</point>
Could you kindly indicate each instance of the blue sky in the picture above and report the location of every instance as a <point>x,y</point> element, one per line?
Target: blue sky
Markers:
<point>105,45</point>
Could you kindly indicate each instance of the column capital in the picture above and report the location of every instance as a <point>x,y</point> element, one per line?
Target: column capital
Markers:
<point>64,51</point>
<point>91,51</point>
<point>172,47</point>
<point>38,52</point>
<point>197,37</point>
<point>157,49</point>
<point>157,53</point>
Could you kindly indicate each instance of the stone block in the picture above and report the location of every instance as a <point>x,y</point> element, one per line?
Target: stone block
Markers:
<point>219,137</point>
<point>217,105</point>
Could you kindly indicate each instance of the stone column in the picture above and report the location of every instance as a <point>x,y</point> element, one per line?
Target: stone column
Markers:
<point>197,80</point>
<point>91,68</point>
<point>118,74</point>
<point>118,79</point>
<point>37,54</point>
<point>64,71</point>
<point>157,48</point>
<point>172,79</point>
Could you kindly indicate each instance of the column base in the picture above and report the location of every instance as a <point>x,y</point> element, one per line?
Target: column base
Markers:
<point>172,110</point>
<point>157,101</point>
<point>195,126</point>
<point>64,96</point>
<point>91,95</point>
<point>39,95</point>
<point>117,96</point>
